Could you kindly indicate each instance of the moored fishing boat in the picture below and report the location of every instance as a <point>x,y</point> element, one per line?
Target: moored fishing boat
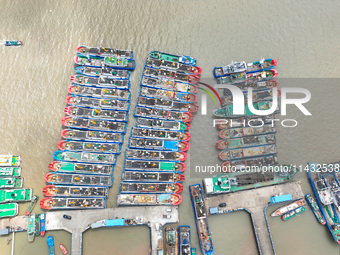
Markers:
<point>81,156</point>
<point>149,199</point>
<point>171,65</point>
<point>37,225</point>
<point>155,155</point>
<point>168,94</point>
<point>141,187</point>
<point>174,58</point>
<point>74,191</point>
<point>15,195</point>
<point>287,208</point>
<point>31,228</point>
<point>42,224</point>
<point>108,61</point>
<point>103,147</point>
<point>99,92</point>
<point>315,208</point>
<point>176,76</point>
<point>246,121</point>
<point>9,210</point>
<point>55,203</point>
<point>256,86</point>
<point>270,160</point>
<point>79,179</point>
<point>228,111</point>
<point>91,135</point>
<point>161,103</point>
<point>63,248</point>
<point>247,131</point>
<point>144,176</point>
<point>184,240</point>
<point>12,43</point>
<point>98,102</point>
<point>162,124</point>
<point>11,182</point>
<point>157,144</point>
<point>248,141</point>
<point>9,160</point>
<point>249,77</point>
<point>257,96</point>
<point>102,125</point>
<point>143,165</point>
<point>96,113</point>
<point>81,82</point>
<point>32,204</point>
<point>104,51</point>
<point>107,72</point>
<point>50,242</point>
<point>69,167</point>
<point>10,171</point>
<point>251,152</point>
<point>293,213</point>
<point>162,114</point>
<point>171,241</point>
<point>168,84</point>
<point>160,134</point>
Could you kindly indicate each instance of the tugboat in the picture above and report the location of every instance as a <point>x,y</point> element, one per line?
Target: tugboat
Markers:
<point>176,76</point>
<point>244,142</point>
<point>160,134</point>
<point>82,83</point>
<point>162,124</point>
<point>15,195</point>
<point>158,166</point>
<point>168,94</point>
<point>103,147</point>
<point>184,240</point>
<point>74,191</point>
<point>10,171</point>
<point>11,182</point>
<point>96,113</point>
<point>55,203</point>
<point>287,208</point>
<point>264,75</point>
<point>31,228</point>
<point>168,84</point>
<point>148,199</point>
<point>68,167</point>
<point>171,65</point>
<point>252,152</point>
<point>31,206</point>
<point>144,176</point>
<point>88,124</point>
<point>293,213</point>
<point>88,91</point>
<point>155,155</point>
<point>50,243</point>
<point>174,58</point>
<point>79,179</point>
<point>98,72</point>
<point>9,210</point>
<point>86,157</point>
<point>93,102</point>
<point>171,241</point>
<point>9,160</point>
<point>142,187</point>
<point>103,52</point>
<point>247,131</point>
<point>161,103</point>
<point>157,144</point>
<point>162,114</point>
<point>91,135</point>
<point>63,248</point>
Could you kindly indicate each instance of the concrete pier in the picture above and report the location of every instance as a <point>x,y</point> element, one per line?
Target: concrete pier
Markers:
<point>255,202</point>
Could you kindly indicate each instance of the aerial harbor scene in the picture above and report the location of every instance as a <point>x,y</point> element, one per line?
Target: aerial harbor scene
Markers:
<point>169,127</point>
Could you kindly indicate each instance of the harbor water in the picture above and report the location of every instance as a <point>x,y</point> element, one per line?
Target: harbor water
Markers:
<point>302,35</point>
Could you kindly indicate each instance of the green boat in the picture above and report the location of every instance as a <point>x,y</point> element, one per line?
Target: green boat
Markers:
<point>9,160</point>
<point>227,111</point>
<point>173,58</point>
<point>10,182</point>
<point>31,206</point>
<point>8,210</point>
<point>237,181</point>
<point>315,208</point>
<point>293,213</point>
<point>250,77</point>
<point>37,224</point>
<point>108,61</point>
<point>31,228</point>
<point>16,195</point>
<point>10,171</point>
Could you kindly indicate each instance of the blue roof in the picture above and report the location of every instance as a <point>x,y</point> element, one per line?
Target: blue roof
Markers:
<point>282,198</point>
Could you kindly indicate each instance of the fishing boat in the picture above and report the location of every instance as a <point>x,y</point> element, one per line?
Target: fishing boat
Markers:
<point>171,241</point>
<point>324,191</point>
<point>162,114</point>
<point>11,182</point>
<point>246,121</point>
<point>50,243</point>
<point>315,208</point>
<point>157,144</point>
<point>12,43</point>
<point>248,77</point>
<point>91,135</point>
<point>63,248</point>
<point>228,111</point>
<point>287,208</point>
<point>31,228</point>
<point>74,191</point>
<point>158,166</point>
<point>111,62</point>
<point>102,125</point>
<point>174,58</point>
<point>203,231</point>
<point>82,156</point>
<point>174,66</point>
<point>257,96</point>
<point>42,224</point>
<point>97,72</point>
<point>79,179</point>
<point>55,203</point>
<point>168,84</point>
<point>144,176</point>
<point>81,168</point>
<point>162,124</point>
<point>168,94</point>
<point>149,199</point>
<point>247,131</point>
<point>176,76</point>
<point>155,155</point>
<point>79,90</point>
<point>15,195</point>
<point>32,204</point>
<point>9,160</point>
<point>243,67</point>
<point>9,210</point>
<point>103,147</point>
<point>10,171</point>
<point>237,181</point>
<point>103,52</point>
<point>333,185</point>
<point>37,225</point>
<point>82,82</point>
<point>98,102</point>
<point>184,240</point>
<point>293,213</point>
<point>270,160</point>
<point>142,187</point>
<point>161,103</point>
<point>160,134</point>
<point>256,86</point>
<point>251,152</point>
<point>244,142</point>
<point>96,113</point>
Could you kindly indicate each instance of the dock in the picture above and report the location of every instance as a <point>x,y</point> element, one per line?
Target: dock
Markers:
<point>255,202</point>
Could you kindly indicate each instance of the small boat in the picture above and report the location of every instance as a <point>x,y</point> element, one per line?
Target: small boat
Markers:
<point>98,102</point>
<point>157,144</point>
<point>108,61</point>
<point>247,131</point>
<point>96,113</point>
<point>249,77</point>
<point>102,125</point>
<point>174,58</point>
<point>31,206</point>
<point>315,208</point>
<point>243,67</point>
<point>184,240</point>
<point>13,43</point>
<point>79,90</point>
<point>91,135</point>
<point>143,187</point>
<point>11,182</point>
<point>257,96</point>
<point>143,176</point>
<point>149,199</point>
<point>293,213</point>
<point>171,241</point>
<point>174,66</point>
<point>167,83</point>
<point>251,152</point>
<point>155,155</point>
<point>287,208</point>
<point>160,134</point>
<point>50,243</point>
<point>228,111</point>
<point>74,191</point>
<point>9,160</point>
<point>257,86</point>
<point>97,72</point>
<point>10,171</point>
<point>158,166</point>
<point>55,203</point>
<point>103,52</point>
<point>161,103</point>
<point>81,156</point>
<point>62,248</point>
<point>15,195</point>
<point>37,225</point>
<point>162,114</point>
<point>81,82</point>
<point>9,210</point>
<point>81,168</point>
<point>168,94</point>
<point>244,142</point>
<point>31,228</point>
<point>176,76</point>
<point>270,160</point>
<point>246,121</point>
<point>79,179</point>
<point>103,147</point>
<point>162,124</point>
<point>42,224</point>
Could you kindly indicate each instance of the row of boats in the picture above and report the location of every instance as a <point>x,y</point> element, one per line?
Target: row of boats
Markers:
<point>94,127</point>
<point>178,241</point>
<point>154,161</point>
<point>36,226</point>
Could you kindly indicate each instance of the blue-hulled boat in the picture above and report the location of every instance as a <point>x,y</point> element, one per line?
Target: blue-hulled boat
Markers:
<point>98,82</point>
<point>157,144</point>
<point>184,240</point>
<point>82,156</point>
<point>105,61</point>
<point>105,71</point>
<point>155,155</point>
<point>50,242</point>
